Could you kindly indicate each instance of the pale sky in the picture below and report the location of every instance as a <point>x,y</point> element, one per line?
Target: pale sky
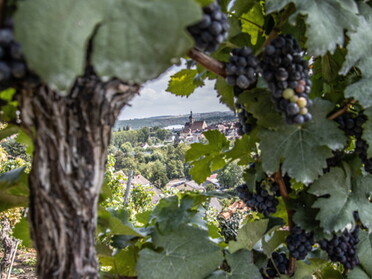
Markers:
<point>155,101</point>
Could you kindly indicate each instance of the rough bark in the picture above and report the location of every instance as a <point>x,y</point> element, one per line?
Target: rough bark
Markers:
<point>70,134</point>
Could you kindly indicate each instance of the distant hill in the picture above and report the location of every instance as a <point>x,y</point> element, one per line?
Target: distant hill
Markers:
<point>169,120</point>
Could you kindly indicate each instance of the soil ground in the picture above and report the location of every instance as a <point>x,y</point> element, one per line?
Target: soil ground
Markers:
<point>24,264</point>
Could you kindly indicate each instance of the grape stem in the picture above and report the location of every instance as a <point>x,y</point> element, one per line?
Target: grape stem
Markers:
<point>284,193</point>
<point>276,30</point>
<point>208,62</point>
<point>341,111</point>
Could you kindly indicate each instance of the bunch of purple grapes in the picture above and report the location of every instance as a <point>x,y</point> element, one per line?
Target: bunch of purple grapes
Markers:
<point>242,69</point>
<point>352,126</point>
<point>277,265</point>
<point>342,248</point>
<point>299,243</point>
<point>287,75</point>
<point>12,65</point>
<point>246,121</point>
<point>263,200</point>
<point>212,30</point>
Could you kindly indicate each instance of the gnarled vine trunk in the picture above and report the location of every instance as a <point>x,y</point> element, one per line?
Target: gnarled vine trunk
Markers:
<point>7,243</point>
<point>70,134</point>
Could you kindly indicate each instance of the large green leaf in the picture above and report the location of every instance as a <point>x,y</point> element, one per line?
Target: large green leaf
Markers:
<point>306,270</point>
<point>365,251</point>
<point>252,22</point>
<point>367,130</point>
<point>359,54</point>
<point>305,214</point>
<point>277,239</point>
<point>13,189</point>
<point>123,263</point>
<point>242,6</point>
<point>21,231</point>
<point>131,38</point>
<point>359,47</point>
<point>173,212</point>
<point>361,90</point>
<point>184,82</point>
<point>339,196</point>
<point>257,102</point>
<point>54,36</point>
<point>243,149</point>
<point>206,158</point>
<point>117,222</point>
<point>225,92</point>
<point>140,39</point>
<point>325,21</point>
<point>186,253</point>
<point>302,150</point>
<point>241,267</point>
<point>357,273</point>
<point>248,235</point>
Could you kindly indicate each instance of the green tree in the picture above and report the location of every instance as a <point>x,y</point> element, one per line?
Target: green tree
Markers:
<point>162,134</point>
<point>175,169</point>
<point>126,147</point>
<point>143,135</point>
<point>158,174</point>
<point>231,176</point>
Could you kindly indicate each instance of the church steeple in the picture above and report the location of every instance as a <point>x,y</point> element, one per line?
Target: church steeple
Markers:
<point>191,119</point>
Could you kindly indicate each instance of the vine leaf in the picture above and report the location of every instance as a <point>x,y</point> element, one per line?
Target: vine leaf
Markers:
<point>361,90</point>
<point>21,231</point>
<point>343,196</point>
<point>359,54</point>
<point>357,273</point>
<point>184,82</point>
<point>248,235</point>
<point>241,265</point>
<point>359,47</point>
<point>207,157</point>
<point>186,253</point>
<point>55,51</point>
<point>257,102</point>
<point>325,21</point>
<point>123,263</point>
<point>274,242</point>
<point>172,212</point>
<point>225,92</point>
<point>367,130</point>
<point>117,221</point>
<point>14,190</point>
<point>302,150</point>
<point>365,251</point>
<point>243,149</point>
<point>255,14</point>
<point>305,214</point>
<point>305,270</point>
<point>242,6</point>
<point>136,50</point>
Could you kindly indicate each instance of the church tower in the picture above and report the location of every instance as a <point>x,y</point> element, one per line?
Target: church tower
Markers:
<point>191,119</point>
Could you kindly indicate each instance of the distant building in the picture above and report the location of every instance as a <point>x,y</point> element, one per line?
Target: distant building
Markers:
<point>139,179</point>
<point>193,125</point>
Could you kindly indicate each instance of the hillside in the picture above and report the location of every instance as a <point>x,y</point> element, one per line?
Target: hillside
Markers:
<point>164,121</point>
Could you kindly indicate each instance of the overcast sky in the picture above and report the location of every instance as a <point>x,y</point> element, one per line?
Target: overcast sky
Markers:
<point>155,101</point>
